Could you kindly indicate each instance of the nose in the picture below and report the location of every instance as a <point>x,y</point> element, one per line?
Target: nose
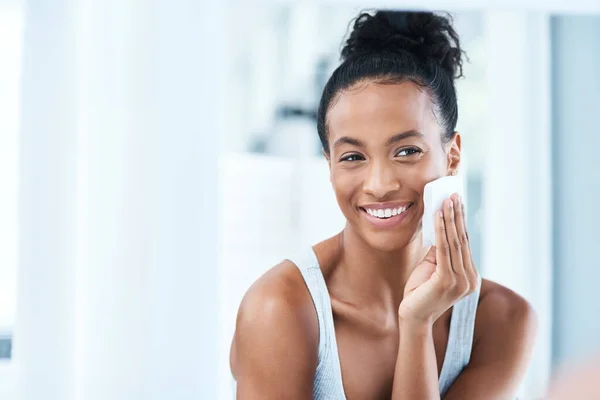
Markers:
<point>381,180</point>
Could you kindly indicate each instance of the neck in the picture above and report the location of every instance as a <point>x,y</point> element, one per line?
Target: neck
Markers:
<point>377,278</point>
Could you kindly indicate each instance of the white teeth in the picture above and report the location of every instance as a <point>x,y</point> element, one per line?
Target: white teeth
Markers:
<point>386,213</point>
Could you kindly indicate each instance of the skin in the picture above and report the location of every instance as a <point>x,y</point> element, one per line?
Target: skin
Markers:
<point>391,298</point>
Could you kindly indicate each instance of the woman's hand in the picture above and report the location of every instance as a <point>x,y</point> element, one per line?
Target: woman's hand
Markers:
<point>447,274</point>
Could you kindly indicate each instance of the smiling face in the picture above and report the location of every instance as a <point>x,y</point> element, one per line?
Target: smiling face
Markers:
<point>385,144</point>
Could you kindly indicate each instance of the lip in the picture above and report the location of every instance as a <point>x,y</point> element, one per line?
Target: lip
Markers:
<point>388,222</point>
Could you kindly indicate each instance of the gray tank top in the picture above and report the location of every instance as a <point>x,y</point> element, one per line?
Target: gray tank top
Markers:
<point>328,378</point>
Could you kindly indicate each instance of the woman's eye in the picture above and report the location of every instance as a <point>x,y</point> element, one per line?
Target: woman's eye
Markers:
<point>409,151</point>
<point>352,157</point>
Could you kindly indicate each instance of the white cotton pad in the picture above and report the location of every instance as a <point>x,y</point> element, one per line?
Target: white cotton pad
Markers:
<point>434,194</point>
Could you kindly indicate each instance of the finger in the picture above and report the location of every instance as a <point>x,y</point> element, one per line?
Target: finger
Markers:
<point>463,238</point>
<point>442,247</point>
<point>452,234</point>
<point>470,267</point>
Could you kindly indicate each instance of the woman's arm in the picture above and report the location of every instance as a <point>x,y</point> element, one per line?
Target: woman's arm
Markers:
<point>446,275</point>
<point>416,375</point>
<point>275,347</point>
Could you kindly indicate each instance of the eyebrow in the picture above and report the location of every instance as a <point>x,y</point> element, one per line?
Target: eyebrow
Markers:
<point>404,135</point>
<point>394,139</point>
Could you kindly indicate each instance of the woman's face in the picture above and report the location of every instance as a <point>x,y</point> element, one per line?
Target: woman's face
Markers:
<point>385,145</point>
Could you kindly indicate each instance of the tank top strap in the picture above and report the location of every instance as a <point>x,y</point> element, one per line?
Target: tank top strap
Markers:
<point>328,379</point>
<point>460,339</point>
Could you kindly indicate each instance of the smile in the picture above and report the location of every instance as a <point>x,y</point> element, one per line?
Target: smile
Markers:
<point>387,212</point>
<point>386,217</point>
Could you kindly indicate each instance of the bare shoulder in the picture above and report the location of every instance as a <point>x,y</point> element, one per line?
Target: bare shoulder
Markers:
<point>276,338</point>
<point>502,309</point>
<point>279,290</point>
<point>505,330</point>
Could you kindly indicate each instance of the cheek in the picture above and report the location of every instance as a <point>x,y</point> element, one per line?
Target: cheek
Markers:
<point>415,177</point>
<point>419,177</point>
<point>345,184</point>
<point>426,171</point>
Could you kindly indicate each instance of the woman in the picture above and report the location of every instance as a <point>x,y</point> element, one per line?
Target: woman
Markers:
<point>370,313</point>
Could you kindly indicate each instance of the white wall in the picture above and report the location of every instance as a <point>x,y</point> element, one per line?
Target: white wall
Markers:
<point>118,275</point>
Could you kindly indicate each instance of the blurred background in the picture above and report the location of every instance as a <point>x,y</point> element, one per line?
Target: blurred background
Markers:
<point>157,157</point>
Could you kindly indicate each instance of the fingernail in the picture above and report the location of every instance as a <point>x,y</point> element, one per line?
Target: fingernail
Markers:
<point>451,203</point>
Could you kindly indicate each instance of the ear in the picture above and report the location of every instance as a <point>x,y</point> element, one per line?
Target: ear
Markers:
<point>453,152</point>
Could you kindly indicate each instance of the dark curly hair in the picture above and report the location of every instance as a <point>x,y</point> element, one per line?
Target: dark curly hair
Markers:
<point>390,47</point>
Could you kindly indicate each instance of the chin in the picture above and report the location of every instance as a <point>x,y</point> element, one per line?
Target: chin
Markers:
<point>387,242</point>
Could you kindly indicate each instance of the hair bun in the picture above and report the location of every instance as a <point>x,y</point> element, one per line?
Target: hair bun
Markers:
<point>427,36</point>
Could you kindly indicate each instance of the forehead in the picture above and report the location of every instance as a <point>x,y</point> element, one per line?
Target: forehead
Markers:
<point>373,110</point>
